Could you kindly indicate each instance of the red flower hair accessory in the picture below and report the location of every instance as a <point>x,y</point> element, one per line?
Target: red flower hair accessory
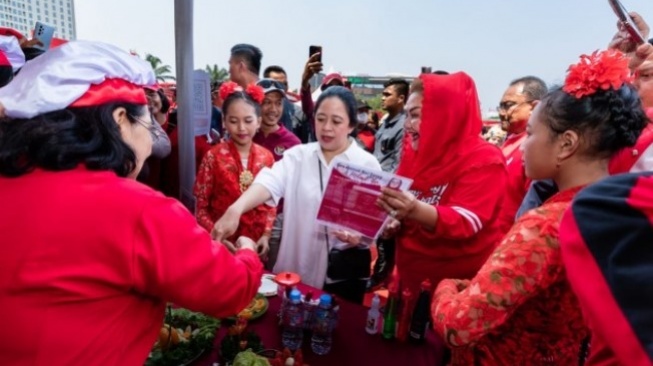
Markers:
<point>598,71</point>
<point>228,88</point>
<point>254,91</point>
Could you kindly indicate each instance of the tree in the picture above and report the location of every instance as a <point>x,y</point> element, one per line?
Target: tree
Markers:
<point>217,73</point>
<point>375,103</point>
<point>161,71</point>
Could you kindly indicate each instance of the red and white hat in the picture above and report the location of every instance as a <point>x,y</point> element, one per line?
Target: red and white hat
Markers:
<point>10,53</point>
<point>76,74</point>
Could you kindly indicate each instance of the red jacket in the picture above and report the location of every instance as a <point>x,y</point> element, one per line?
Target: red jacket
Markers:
<point>459,173</point>
<point>88,261</point>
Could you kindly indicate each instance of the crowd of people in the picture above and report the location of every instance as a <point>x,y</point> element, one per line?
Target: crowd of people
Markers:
<point>537,255</point>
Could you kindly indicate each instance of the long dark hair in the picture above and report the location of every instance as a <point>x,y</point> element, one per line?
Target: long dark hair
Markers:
<point>63,139</point>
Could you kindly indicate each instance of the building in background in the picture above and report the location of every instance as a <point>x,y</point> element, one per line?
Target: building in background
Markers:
<point>23,14</point>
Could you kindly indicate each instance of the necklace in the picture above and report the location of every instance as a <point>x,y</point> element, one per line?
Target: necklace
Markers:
<point>246,177</point>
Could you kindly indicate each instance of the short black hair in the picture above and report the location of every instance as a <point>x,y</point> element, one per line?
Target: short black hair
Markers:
<point>400,85</point>
<point>62,140</point>
<point>251,55</point>
<point>440,72</point>
<point>346,96</point>
<point>609,120</point>
<point>534,87</point>
<point>274,68</point>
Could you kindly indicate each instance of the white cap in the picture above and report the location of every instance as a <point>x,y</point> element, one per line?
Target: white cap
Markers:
<point>63,75</point>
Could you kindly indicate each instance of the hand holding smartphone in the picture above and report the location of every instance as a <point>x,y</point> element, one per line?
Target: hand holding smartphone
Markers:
<point>312,50</point>
<point>627,22</point>
<point>43,33</point>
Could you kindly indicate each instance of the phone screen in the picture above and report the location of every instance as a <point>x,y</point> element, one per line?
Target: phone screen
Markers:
<point>627,21</point>
<point>315,49</point>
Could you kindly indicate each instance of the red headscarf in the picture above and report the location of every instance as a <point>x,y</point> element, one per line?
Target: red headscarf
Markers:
<point>449,132</point>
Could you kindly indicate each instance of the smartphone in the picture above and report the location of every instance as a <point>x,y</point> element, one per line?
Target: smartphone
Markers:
<point>627,21</point>
<point>426,69</point>
<point>44,34</point>
<point>315,49</point>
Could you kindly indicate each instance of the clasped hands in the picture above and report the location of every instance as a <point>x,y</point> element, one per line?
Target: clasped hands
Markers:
<point>227,225</point>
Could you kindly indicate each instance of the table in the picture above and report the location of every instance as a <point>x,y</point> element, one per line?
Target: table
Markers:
<point>351,344</point>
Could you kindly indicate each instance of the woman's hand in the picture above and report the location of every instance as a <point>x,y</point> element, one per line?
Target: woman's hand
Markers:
<point>263,247</point>
<point>244,242</point>
<point>398,204</point>
<point>391,229</point>
<point>348,237</point>
<point>226,226</point>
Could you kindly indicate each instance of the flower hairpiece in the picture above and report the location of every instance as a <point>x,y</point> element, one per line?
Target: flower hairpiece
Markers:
<point>598,71</point>
<point>254,91</point>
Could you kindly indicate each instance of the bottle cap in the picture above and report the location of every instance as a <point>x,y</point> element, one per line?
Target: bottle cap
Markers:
<point>426,285</point>
<point>376,301</point>
<point>295,295</point>
<point>325,299</point>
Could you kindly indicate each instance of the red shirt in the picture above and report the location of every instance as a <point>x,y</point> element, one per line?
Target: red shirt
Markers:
<point>517,184</point>
<point>170,165</point>
<point>89,261</point>
<point>367,138</point>
<point>519,309</point>
<point>218,186</point>
<point>277,142</point>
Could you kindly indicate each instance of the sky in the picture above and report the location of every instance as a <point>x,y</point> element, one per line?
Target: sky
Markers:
<point>494,41</point>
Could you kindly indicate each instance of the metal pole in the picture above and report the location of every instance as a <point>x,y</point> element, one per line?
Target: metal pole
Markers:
<point>184,62</point>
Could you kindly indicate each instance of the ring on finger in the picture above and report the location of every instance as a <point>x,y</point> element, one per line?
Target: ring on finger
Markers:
<point>393,213</point>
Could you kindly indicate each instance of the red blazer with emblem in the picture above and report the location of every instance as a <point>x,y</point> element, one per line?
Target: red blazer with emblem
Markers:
<point>277,142</point>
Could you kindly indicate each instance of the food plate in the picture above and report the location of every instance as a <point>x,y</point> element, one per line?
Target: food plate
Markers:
<point>257,307</point>
<point>183,338</point>
<point>268,286</point>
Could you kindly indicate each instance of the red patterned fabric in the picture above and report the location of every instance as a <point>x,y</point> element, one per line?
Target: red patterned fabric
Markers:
<point>519,309</point>
<point>217,187</point>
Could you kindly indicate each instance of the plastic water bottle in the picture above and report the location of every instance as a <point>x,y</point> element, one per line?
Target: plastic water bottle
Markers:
<point>322,327</point>
<point>293,322</point>
<point>373,316</point>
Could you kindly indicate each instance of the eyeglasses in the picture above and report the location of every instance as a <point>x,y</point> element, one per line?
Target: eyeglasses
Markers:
<point>506,106</point>
<point>269,83</point>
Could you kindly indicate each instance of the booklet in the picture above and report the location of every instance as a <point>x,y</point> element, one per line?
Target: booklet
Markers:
<point>349,198</point>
